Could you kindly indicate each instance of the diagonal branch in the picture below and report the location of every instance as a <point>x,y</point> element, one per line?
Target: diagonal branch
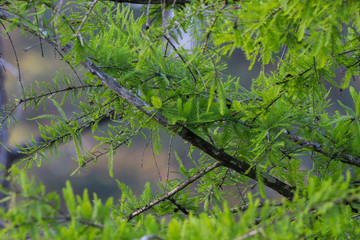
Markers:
<point>77,34</point>
<point>225,159</point>
<point>42,95</point>
<point>17,153</point>
<point>345,158</point>
<point>179,207</point>
<point>174,190</point>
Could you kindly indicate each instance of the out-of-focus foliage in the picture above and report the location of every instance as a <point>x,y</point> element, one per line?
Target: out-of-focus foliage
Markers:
<point>265,132</point>
<point>320,211</point>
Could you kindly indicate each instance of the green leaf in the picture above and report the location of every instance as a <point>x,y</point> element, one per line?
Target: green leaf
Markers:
<point>111,161</point>
<point>61,111</point>
<point>236,105</point>
<point>48,116</point>
<point>222,98</point>
<point>69,198</point>
<point>156,102</point>
<point>86,207</point>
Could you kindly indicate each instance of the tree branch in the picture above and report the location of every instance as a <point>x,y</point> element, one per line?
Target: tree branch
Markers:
<point>17,153</point>
<point>227,160</point>
<point>181,208</point>
<point>345,158</point>
<point>174,190</point>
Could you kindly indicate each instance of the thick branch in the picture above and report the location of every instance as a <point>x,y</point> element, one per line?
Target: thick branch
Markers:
<point>239,166</point>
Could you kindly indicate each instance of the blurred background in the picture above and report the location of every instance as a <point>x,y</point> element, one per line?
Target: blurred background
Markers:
<point>128,161</point>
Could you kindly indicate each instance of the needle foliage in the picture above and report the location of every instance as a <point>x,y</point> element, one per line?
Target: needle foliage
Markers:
<point>138,73</point>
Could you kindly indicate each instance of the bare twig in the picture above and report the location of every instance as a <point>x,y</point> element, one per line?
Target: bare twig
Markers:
<point>267,107</point>
<point>154,157</point>
<point>24,100</point>
<point>169,158</point>
<point>57,15</point>
<point>77,34</point>
<point>115,147</point>
<point>40,39</point>
<point>16,58</point>
<point>143,153</point>
<point>147,24</point>
<point>181,208</point>
<point>31,47</point>
<point>207,37</point>
<point>246,206</point>
<point>181,57</point>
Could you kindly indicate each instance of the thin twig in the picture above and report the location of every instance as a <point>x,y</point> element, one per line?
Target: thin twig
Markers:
<point>31,47</point>
<point>24,100</point>
<point>147,24</point>
<point>40,39</point>
<point>207,37</point>
<point>115,147</point>
<point>143,153</point>
<point>267,107</point>
<point>174,190</point>
<point>246,206</point>
<point>84,19</point>
<point>40,143</point>
<point>16,58</point>
<point>345,158</point>
<point>169,158</point>
<point>181,57</point>
<point>153,153</point>
<point>181,208</point>
<point>57,15</point>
